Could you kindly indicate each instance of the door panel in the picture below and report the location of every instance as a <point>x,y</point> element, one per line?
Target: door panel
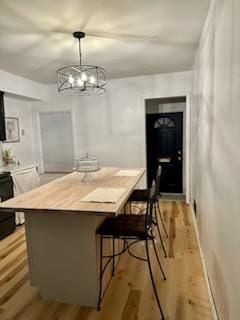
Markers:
<point>164,147</point>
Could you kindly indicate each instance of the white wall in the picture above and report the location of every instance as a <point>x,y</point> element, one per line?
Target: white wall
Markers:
<point>18,94</point>
<point>111,127</point>
<point>21,109</point>
<point>16,85</point>
<point>216,152</point>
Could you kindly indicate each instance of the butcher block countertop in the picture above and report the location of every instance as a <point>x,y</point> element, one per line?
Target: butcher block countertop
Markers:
<point>64,195</point>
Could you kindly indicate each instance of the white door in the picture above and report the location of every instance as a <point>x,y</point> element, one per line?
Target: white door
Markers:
<point>57,142</point>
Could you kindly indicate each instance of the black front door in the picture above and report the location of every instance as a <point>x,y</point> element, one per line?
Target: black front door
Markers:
<point>164,147</point>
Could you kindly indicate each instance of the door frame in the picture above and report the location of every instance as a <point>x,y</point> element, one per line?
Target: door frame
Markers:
<point>39,138</point>
<point>187,133</point>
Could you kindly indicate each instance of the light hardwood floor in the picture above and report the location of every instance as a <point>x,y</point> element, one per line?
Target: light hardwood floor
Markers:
<point>129,296</point>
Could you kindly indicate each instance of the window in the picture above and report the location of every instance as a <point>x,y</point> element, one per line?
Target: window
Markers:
<point>164,122</point>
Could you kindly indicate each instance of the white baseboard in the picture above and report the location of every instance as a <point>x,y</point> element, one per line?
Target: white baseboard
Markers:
<point>212,304</point>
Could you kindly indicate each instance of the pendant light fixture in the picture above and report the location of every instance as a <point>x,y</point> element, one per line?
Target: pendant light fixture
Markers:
<point>81,79</point>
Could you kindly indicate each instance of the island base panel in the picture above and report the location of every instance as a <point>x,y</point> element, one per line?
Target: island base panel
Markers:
<point>63,256</point>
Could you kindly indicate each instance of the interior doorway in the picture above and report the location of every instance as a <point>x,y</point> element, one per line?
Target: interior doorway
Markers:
<point>166,142</point>
<point>57,141</point>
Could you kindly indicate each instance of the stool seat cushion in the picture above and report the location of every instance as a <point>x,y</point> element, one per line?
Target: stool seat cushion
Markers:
<point>124,225</point>
<point>139,195</point>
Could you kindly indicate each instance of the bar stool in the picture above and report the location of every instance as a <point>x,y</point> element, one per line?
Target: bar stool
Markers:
<point>141,195</point>
<point>134,228</point>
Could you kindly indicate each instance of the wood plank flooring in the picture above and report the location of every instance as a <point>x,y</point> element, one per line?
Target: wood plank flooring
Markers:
<point>130,295</point>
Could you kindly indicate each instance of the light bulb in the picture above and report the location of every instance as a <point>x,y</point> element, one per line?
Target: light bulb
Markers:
<point>71,79</point>
<point>80,82</point>
<point>83,76</point>
<point>92,80</point>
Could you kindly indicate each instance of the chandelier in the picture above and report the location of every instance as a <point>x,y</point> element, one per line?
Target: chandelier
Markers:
<point>81,79</point>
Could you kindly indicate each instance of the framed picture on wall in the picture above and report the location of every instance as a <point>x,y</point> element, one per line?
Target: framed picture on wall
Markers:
<point>12,129</point>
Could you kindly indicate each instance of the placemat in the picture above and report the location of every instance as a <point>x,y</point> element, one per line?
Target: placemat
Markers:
<point>127,173</point>
<point>110,195</point>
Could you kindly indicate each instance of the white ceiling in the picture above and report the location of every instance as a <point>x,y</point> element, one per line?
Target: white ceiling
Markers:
<point>131,37</point>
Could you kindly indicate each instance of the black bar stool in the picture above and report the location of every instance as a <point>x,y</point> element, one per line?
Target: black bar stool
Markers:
<point>132,228</point>
<point>141,195</point>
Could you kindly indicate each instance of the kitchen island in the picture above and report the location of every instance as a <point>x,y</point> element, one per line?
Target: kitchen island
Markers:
<point>61,221</point>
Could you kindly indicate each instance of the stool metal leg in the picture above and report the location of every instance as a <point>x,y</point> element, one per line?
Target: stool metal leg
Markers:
<point>161,219</point>
<point>113,258</point>
<point>158,229</point>
<point>158,259</point>
<point>101,272</point>
<point>152,280</point>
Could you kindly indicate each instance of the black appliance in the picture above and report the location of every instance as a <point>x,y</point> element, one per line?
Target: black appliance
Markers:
<point>7,219</point>
<point>2,118</point>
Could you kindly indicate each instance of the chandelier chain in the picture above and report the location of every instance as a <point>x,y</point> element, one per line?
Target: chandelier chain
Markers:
<point>80,51</point>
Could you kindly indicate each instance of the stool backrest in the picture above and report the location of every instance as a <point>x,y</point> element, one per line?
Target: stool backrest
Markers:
<point>150,207</point>
<point>158,177</point>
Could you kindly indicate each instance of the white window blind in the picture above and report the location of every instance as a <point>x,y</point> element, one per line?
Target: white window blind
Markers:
<point>57,142</point>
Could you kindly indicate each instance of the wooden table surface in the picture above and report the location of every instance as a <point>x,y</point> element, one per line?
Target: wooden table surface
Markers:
<point>64,195</point>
